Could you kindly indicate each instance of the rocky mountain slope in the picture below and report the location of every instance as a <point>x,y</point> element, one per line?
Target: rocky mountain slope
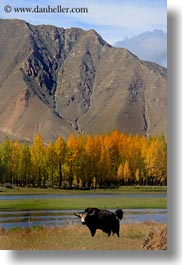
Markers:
<point>61,81</point>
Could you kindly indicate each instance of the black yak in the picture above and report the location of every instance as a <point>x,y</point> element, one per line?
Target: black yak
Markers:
<point>104,220</point>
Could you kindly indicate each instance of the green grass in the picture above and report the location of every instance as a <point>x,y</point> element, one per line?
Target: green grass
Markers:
<point>76,237</point>
<point>121,189</point>
<point>81,203</point>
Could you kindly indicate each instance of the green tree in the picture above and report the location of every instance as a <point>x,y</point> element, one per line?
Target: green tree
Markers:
<point>38,160</point>
<point>5,152</point>
<point>51,163</point>
<point>14,161</point>
<point>60,148</point>
<point>25,164</point>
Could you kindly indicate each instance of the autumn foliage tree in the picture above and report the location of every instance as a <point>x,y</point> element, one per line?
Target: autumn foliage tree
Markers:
<point>60,149</point>
<point>25,164</point>
<point>38,160</point>
<point>6,161</point>
<point>85,161</point>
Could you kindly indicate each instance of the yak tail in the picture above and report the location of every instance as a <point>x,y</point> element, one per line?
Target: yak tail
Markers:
<point>119,213</point>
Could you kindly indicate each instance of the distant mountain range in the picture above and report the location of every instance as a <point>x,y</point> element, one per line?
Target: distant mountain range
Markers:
<point>150,46</point>
<point>59,81</point>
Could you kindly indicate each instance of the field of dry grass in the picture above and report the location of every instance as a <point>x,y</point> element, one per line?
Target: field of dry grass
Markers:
<point>77,237</point>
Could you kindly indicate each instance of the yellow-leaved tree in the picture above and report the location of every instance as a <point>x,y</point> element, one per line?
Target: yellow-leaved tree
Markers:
<point>15,155</point>
<point>25,164</point>
<point>72,157</point>
<point>127,172</point>
<point>120,175</point>
<point>51,163</point>
<point>38,161</point>
<point>60,148</point>
<point>156,161</point>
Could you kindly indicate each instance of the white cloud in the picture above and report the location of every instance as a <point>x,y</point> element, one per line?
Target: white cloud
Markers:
<point>109,17</point>
<point>132,15</point>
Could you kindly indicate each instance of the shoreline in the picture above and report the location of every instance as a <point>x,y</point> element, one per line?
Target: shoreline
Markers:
<point>122,189</point>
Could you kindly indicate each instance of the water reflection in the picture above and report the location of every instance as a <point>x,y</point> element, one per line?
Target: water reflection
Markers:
<point>15,219</point>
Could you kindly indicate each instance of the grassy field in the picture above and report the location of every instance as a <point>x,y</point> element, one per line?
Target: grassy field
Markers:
<point>121,189</point>
<point>81,203</point>
<point>77,237</point>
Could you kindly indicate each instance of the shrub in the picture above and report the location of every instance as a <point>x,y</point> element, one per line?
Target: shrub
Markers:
<point>8,185</point>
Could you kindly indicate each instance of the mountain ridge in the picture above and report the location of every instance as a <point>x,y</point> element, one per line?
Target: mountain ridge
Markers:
<point>60,81</point>
<point>149,45</point>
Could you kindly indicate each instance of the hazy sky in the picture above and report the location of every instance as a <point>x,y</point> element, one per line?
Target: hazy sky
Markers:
<point>113,19</point>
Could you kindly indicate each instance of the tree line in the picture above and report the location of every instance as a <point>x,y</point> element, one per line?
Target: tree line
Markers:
<point>82,161</point>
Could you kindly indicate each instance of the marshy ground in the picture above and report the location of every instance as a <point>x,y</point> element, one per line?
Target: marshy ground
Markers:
<point>133,236</point>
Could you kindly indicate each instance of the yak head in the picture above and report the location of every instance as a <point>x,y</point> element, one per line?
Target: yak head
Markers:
<point>83,215</point>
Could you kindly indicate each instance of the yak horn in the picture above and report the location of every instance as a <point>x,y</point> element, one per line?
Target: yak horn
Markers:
<point>92,212</point>
<point>78,215</point>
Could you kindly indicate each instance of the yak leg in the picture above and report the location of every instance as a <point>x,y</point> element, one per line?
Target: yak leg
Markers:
<point>116,232</point>
<point>115,228</point>
<point>109,233</point>
<point>92,231</point>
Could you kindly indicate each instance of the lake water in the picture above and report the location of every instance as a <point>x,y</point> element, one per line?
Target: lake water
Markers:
<point>92,195</point>
<point>14,219</point>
